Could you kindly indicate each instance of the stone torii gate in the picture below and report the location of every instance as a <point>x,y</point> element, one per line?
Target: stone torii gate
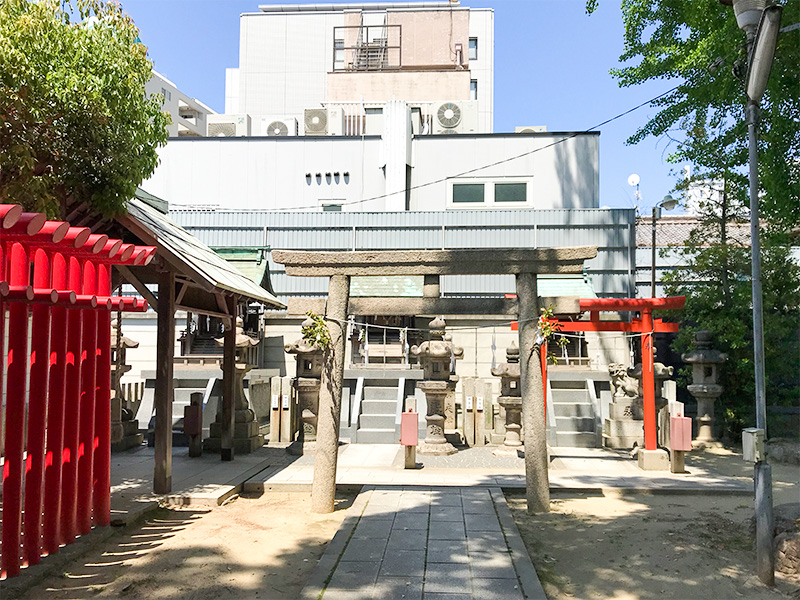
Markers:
<point>523,263</point>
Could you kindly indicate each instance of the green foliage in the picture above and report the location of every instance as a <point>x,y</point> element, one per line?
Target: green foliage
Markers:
<point>718,298</point>
<point>548,330</point>
<point>74,120</point>
<point>697,44</point>
<point>316,333</point>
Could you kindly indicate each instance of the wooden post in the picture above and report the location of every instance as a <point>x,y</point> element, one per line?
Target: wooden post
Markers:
<point>162,398</point>
<point>228,381</point>
<point>323,487</point>
<point>536,476</point>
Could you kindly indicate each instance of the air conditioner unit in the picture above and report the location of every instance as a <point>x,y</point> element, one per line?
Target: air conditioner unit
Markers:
<point>278,126</point>
<point>228,125</point>
<point>324,121</point>
<point>531,129</point>
<point>459,116</point>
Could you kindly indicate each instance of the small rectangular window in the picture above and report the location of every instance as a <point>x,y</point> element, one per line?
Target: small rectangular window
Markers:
<point>338,53</point>
<point>467,192</point>
<point>510,192</point>
<point>329,207</point>
<point>473,89</point>
<point>473,49</point>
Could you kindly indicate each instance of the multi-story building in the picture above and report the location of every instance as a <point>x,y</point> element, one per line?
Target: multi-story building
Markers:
<point>189,115</point>
<point>349,59</point>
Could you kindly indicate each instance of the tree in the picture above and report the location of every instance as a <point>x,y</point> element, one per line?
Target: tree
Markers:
<point>698,44</point>
<point>75,123</point>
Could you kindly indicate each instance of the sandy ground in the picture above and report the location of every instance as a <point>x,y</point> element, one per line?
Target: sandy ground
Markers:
<point>253,547</point>
<point>647,547</point>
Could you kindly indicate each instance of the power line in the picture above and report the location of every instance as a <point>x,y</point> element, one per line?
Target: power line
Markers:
<point>486,166</point>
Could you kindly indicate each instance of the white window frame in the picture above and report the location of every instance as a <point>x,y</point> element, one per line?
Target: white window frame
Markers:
<point>470,54</point>
<point>488,193</point>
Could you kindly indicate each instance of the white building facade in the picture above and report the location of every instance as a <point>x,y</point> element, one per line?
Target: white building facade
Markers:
<point>358,56</point>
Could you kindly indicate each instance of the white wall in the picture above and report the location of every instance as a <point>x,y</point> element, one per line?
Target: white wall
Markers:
<point>481,26</point>
<point>271,172</point>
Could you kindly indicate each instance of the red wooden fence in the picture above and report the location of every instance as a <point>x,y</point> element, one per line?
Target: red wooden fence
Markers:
<point>55,289</point>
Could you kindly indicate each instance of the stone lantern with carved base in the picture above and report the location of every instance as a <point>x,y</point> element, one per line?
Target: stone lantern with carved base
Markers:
<point>246,436</point>
<point>309,359</point>
<point>510,398</point>
<point>437,358</point>
<point>704,387</point>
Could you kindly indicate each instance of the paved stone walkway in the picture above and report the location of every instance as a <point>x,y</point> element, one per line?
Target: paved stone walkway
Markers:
<point>426,543</point>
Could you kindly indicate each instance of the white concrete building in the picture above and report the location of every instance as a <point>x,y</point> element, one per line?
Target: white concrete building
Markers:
<point>189,115</point>
<point>352,58</point>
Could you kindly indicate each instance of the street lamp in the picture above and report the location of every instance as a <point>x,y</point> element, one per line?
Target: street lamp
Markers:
<point>761,42</point>
<point>667,203</point>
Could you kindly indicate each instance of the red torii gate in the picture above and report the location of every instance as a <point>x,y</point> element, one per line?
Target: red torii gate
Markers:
<point>646,325</point>
<point>57,277</point>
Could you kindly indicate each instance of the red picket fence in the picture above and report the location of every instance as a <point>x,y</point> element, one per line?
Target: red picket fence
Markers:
<point>55,289</point>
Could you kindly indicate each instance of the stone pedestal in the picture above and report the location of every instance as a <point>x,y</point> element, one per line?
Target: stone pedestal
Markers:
<point>435,443</point>
<point>704,387</point>
<point>653,460</point>
<point>513,408</point>
<point>246,437</point>
<point>624,427</point>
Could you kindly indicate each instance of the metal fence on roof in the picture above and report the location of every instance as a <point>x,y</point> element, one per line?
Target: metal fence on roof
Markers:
<point>612,272</point>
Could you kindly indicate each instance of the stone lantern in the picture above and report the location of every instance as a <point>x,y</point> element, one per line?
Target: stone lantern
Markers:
<point>437,358</point>
<point>511,395</point>
<point>704,387</point>
<point>124,428</point>
<point>246,437</point>
<point>309,359</point>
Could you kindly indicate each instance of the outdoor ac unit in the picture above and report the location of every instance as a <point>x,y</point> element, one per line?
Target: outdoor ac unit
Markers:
<point>315,121</point>
<point>278,127</point>
<point>324,121</point>
<point>531,129</point>
<point>228,125</point>
<point>460,116</point>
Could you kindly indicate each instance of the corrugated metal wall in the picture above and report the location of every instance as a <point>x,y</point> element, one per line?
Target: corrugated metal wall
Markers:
<point>612,273</point>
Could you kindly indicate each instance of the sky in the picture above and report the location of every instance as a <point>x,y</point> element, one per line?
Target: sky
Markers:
<point>552,64</point>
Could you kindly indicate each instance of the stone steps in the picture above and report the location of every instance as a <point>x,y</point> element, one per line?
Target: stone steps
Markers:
<point>378,408</point>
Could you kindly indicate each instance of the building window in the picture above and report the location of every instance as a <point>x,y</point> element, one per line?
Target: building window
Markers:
<point>473,49</point>
<point>338,54</point>
<point>166,93</point>
<point>488,193</point>
<point>467,193</point>
<point>473,89</point>
<point>331,207</point>
<point>510,192</point>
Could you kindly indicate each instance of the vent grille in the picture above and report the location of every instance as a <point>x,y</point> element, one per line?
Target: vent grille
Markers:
<point>449,115</point>
<point>316,120</point>
<point>221,129</point>
<point>277,129</point>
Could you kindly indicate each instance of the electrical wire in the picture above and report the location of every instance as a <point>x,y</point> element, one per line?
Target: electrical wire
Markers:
<point>482,167</point>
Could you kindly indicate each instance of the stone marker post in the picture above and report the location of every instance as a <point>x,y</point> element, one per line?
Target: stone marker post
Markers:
<point>537,482</point>
<point>323,487</point>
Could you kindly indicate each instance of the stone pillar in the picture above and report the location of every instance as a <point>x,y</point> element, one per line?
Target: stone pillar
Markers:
<point>510,398</point>
<point>437,358</point>
<point>704,387</point>
<point>323,486</point>
<point>537,482</point>
<point>306,384</point>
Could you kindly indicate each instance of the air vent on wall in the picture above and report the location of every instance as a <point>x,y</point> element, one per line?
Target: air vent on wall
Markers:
<point>455,117</point>
<point>531,129</point>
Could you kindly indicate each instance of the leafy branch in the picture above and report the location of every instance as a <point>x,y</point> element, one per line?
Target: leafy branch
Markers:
<point>316,332</point>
